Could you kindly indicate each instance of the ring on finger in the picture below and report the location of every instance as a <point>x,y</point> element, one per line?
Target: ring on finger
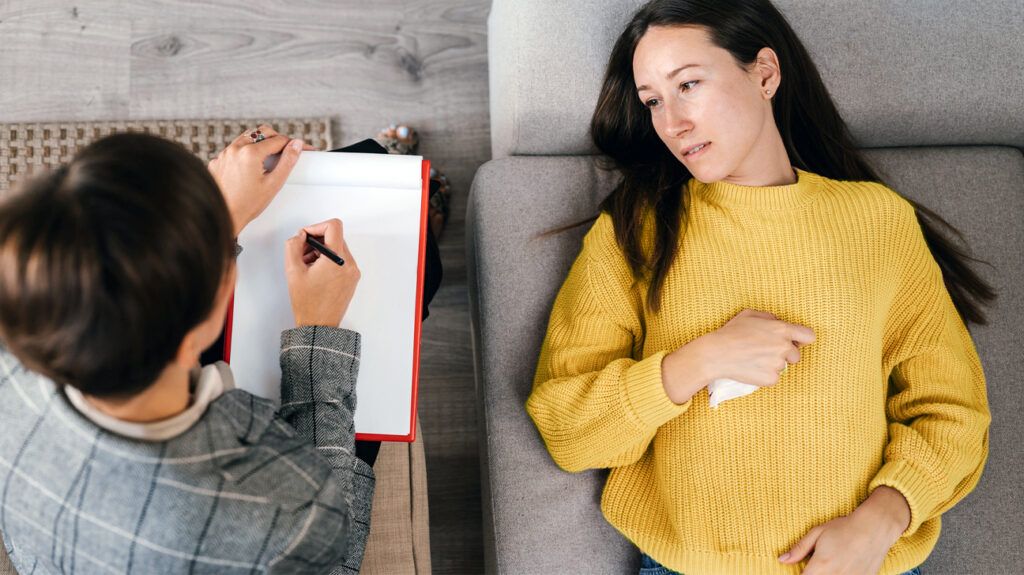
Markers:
<point>257,136</point>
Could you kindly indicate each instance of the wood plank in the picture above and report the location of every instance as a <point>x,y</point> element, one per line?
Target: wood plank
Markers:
<point>59,63</point>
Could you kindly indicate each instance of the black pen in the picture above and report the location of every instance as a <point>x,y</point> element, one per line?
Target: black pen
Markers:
<point>325,250</point>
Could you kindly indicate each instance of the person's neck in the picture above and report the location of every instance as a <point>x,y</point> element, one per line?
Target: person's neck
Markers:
<point>166,397</point>
<point>770,168</point>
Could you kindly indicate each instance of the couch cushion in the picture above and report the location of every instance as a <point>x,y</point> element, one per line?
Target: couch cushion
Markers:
<point>934,90</point>
<point>544,520</point>
<point>981,192</point>
<point>547,520</point>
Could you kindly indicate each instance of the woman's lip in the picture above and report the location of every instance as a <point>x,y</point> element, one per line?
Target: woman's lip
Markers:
<point>706,146</point>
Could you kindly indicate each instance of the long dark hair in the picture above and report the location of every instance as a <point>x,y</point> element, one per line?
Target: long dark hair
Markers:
<point>816,139</point>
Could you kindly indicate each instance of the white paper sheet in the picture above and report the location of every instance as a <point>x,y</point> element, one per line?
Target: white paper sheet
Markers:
<point>379,200</point>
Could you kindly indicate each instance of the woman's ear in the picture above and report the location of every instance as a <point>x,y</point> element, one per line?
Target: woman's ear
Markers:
<point>767,72</point>
<point>188,352</point>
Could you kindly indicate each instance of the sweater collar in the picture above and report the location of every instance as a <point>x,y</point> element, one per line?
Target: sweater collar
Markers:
<point>729,195</point>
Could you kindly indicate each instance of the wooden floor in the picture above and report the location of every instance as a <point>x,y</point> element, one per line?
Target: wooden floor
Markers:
<point>364,64</point>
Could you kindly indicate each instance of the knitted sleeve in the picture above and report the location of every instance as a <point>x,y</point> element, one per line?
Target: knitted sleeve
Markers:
<point>594,403</point>
<point>937,405</point>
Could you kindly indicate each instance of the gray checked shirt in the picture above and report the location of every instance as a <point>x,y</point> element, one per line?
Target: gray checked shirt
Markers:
<point>249,488</point>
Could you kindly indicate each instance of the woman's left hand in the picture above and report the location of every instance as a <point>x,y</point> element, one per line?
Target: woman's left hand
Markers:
<point>239,170</point>
<point>856,543</point>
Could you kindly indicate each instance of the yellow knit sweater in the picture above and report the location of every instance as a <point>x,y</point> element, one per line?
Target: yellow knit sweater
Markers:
<point>891,392</point>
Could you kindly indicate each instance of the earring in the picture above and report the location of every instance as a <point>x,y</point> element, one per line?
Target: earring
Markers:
<point>769,92</point>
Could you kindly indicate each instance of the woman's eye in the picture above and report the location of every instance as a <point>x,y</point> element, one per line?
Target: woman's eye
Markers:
<point>685,87</point>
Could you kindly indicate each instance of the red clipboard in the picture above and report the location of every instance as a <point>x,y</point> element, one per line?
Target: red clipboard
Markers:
<point>417,327</point>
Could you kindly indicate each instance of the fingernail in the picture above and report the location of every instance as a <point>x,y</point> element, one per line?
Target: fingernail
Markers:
<point>784,557</point>
<point>296,145</point>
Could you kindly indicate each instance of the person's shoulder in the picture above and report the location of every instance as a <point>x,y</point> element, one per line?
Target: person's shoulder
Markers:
<point>237,405</point>
<point>862,191</point>
<point>10,365</point>
<point>602,240</point>
<point>266,469</point>
<point>310,505</point>
<point>259,461</point>
<point>601,232</point>
<point>20,388</point>
<point>870,198</point>
<point>270,458</point>
<point>602,250</point>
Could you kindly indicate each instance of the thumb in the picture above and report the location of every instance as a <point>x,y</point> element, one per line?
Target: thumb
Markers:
<point>293,249</point>
<point>289,155</point>
<point>799,551</point>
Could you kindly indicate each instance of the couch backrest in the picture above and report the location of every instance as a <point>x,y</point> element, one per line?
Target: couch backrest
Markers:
<point>932,87</point>
<point>909,73</point>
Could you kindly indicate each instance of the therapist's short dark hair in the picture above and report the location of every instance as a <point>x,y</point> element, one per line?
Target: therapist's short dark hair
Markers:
<point>108,262</point>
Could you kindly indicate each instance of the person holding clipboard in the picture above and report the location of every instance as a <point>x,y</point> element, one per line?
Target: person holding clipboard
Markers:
<point>115,275</point>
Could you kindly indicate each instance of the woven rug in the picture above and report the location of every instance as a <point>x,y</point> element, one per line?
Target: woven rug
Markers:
<point>30,147</point>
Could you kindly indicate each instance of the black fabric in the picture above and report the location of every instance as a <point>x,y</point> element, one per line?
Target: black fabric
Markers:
<point>367,146</point>
<point>215,352</point>
<point>367,451</point>
<point>432,272</point>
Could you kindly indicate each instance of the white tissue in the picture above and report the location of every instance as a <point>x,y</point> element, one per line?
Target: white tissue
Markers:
<point>725,389</point>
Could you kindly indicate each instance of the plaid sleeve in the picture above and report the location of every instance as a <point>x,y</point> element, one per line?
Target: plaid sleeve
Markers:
<point>319,366</point>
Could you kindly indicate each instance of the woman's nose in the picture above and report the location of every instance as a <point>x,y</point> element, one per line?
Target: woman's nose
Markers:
<point>677,121</point>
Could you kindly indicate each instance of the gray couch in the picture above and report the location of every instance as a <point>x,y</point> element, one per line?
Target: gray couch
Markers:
<point>934,89</point>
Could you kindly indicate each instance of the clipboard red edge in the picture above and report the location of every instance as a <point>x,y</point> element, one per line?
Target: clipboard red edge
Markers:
<point>424,208</point>
<point>227,328</point>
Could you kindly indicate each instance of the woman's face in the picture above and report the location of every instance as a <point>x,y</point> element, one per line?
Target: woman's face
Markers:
<point>697,94</point>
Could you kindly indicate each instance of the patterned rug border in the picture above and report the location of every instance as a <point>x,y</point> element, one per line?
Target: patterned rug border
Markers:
<point>29,147</point>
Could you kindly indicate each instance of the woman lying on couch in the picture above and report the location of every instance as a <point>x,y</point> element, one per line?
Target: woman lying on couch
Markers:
<point>748,235</point>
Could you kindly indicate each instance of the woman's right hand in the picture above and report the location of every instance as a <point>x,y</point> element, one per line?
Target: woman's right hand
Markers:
<point>753,347</point>
<point>320,289</point>
<point>241,174</point>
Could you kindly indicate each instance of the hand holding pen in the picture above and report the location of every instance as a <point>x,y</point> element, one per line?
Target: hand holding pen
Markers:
<point>322,274</point>
<point>324,250</point>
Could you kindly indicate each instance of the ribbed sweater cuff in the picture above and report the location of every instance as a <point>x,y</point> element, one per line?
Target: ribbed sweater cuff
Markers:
<point>645,393</point>
<point>915,487</point>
